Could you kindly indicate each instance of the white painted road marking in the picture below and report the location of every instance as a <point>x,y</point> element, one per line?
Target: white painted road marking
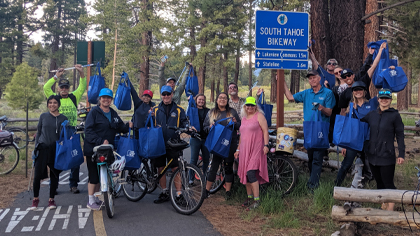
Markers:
<point>64,179</point>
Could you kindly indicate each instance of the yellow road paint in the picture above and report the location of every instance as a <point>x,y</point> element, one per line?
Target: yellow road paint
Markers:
<point>98,222</point>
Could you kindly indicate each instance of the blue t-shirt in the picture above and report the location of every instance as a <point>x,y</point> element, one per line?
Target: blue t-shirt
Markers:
<point>108,115</point>
<point>325,97</point>
<point>326,76</point>
<point>368,106</point>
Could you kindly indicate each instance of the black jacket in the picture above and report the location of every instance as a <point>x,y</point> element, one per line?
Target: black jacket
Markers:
<point>384,127</point>
<point>176,117</point>
<point>98,128</point>
<point>141,109</point>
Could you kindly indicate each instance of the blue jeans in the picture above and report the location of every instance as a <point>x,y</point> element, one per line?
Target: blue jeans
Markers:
<point>316,157</point>
<point>197,145</point>
<point>74,172</point>
<point>345,165</point>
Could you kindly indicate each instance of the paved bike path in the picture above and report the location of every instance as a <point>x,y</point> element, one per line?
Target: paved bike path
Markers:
<point>73,218</point>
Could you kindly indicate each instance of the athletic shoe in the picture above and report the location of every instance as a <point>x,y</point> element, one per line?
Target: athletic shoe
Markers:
<point>180,200</point>
<point>163,197</point>
<point>51,204</point>
<point>228,195</point>
<point>254,206</point>
<point>99,202</point>
<point>207,194</point>
<point>35,203</point>
<point>247,203</point>
<point>94,206</point>
<point>74,190</point>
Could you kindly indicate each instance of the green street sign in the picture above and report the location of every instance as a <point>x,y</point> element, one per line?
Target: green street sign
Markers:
<point>98,53</point>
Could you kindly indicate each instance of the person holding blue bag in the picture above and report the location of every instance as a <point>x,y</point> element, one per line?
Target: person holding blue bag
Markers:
<point>122,97</point>
<point>221,111</point>
<point>362,107</point>
<point>48,132</point>
<point>102,124</point>
<point>196,144</point>
<point>322,99</point>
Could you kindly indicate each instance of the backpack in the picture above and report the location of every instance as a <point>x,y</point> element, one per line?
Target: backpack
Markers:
<point>72,98</point>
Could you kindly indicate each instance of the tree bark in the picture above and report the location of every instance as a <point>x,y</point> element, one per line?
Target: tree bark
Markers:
<point>225,73</point>
<point>212,90</point>
<point>193,49</point>
<point>55,45</point>
<point>347,32</point>
<point>273,93</point>
<point>237,63</point>
<point>418,91</point>
<point>371,35</point>
<point>373,195</point>
<point>320,30</point>
<point>146,41</point>
<point>202,70</point>
<point>294,81</point>
<point>402,97</point>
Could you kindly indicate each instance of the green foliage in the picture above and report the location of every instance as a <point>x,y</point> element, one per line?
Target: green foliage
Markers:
<point>24,88</point>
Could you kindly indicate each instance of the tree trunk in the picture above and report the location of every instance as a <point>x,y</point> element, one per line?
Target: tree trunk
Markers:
<point>202,70</point>
<point>193,49</point>
<point>55,46</point>
<point>373,216</point>
<point>320,30</point>
<point>418,91</point>
<point>212,90</point>
<point>373,195</point>
<point>294,81</point>
<point>225,73</point>
<point>347,32</point>
<point>146,41</point>
<point>273,87</point>
<point>402,97</point>
<point>218,86</point>
<point>238,56</point>
<point>371,34</point>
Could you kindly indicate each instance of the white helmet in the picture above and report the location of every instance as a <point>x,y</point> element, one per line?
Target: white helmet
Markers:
<point>118,164</point>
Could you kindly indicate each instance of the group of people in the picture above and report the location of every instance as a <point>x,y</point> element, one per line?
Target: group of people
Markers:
<point>103,123</point>
<point>333,90</point>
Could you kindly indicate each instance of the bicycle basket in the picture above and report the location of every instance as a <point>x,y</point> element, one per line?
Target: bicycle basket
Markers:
<point>6,138</point>
<point>104,154</point>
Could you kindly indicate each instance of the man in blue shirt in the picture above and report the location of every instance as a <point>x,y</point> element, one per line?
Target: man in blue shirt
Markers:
<point>325,99</point>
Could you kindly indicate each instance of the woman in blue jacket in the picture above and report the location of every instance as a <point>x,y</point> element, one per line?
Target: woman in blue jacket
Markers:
<point>142,107</point>
<point>102,124</point>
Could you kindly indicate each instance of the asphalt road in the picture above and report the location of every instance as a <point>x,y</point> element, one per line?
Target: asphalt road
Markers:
<point>73,218</point>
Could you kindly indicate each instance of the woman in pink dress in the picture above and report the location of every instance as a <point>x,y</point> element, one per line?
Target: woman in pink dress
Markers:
<point>252,150</point>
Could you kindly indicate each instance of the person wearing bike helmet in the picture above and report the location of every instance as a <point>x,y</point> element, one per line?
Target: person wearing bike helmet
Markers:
<point>362,107</point>
<point>385,125</point>
<point>102,124</point>
<point>68,108</point>
<point>48,132</point>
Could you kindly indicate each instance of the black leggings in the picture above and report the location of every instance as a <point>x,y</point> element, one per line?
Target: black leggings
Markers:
<point>45,157</point>
<point>215,166</point>
<point>384,176</point>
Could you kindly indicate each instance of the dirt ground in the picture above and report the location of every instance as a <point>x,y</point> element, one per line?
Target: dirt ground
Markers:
<point>11,185</point>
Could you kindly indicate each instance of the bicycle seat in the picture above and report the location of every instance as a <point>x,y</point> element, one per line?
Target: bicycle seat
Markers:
<point>176,144</point>
<point>3,118</point>
<point>103,147</point>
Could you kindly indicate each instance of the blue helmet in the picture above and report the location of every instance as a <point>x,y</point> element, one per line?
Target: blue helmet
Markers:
<point>106,92</point>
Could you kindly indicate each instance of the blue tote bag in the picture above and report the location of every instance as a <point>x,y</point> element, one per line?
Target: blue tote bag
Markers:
<point>96,83</point>
<point>151,141</point>
<point>383,64</point>
<point>395,79</point>
<point>192,114</point>
<point>127,146</point>
<point>315,132</point>
<point>350,132</point>
<point>191,86</point>
<point>267,108</point>
<point>123,95</point>
<point>68,153</point>
<point>219,139</point>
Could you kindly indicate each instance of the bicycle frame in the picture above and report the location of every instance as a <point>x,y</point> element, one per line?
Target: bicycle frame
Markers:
<point>103,172</point>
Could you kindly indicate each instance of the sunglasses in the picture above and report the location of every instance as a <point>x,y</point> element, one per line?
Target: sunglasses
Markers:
<point>385,92</point>
<point>233,87</point>
<point>166,94</point>
<point>64,87</point>
<point>338,72</point>
<point>250,105</point>
<point>332,63</point>
<point>346,75</point>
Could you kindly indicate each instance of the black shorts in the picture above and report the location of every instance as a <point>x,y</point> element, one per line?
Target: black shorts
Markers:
<point>162,160</point>
<point>92,170</point>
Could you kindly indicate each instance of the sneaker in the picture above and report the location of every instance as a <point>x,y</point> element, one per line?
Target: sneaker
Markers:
<point>51,204</point>
<point>191,183</point>
<point>247,203</point>
<point>94,206</point>
<point>207,194</point>
<point>254,206</point>
<point>180,200</point>
<point>35,203</point>
<point>163,197</point>
<point>74,190</point>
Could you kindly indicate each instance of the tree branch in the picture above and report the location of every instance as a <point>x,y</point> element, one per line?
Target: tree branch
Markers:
<point>386,8</point>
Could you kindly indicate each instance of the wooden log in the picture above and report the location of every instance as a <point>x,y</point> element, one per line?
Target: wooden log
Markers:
<point>374,216</point>
<point>373,195</point>
<point>304,157</point>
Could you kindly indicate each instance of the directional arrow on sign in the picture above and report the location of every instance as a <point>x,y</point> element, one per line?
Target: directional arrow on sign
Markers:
<point>258,64</point>
<point>258,53</point>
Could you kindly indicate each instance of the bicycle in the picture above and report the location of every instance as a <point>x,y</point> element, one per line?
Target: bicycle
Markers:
<point>82,114</point>
<point>9,153</point>
<point>108,168</point>
<point>219,182</point>
<point>19,135</point>
<point>192,195</point>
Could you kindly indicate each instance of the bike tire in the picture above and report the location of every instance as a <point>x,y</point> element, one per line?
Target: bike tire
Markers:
<point>135,187</point>
<point>109,199</point>
<point>150,175</point>
<point>193,195</point>
<point>19,137</point>
<point>282,173</point>
<point>9,158</point>
<point>219,181</point>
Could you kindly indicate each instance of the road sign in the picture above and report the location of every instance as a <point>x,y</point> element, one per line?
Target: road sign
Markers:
<point>281,54</point>
<point>281,64</point>
<point>282,30</point>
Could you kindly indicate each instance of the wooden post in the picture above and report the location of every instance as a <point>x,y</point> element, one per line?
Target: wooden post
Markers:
<point>115,58</point>
<point>373,195</point>
<point>280,99</point>
<point>89,52</point>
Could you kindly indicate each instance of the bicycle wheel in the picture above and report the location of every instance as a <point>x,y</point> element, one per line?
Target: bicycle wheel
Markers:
<point>282,173</point>
<point>19,137</point>
<point>135,187</point>
<point>191,195</point>
<point>9,158</point>
<point>150,176</point>
<point>109,199</point>
<point>220,179</point>
<point>117,184</point>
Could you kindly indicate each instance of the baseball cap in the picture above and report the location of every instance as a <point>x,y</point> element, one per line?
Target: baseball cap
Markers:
<point>166,88</point>
<point>358,84</point>
<point>385,93</point>
<point>63,82</point>
<point>250,100</point>
<point>148,92</point>
<point>106,92</point>
<point>345,72</point>
<point>312,72</point>
<point>170,78</point>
